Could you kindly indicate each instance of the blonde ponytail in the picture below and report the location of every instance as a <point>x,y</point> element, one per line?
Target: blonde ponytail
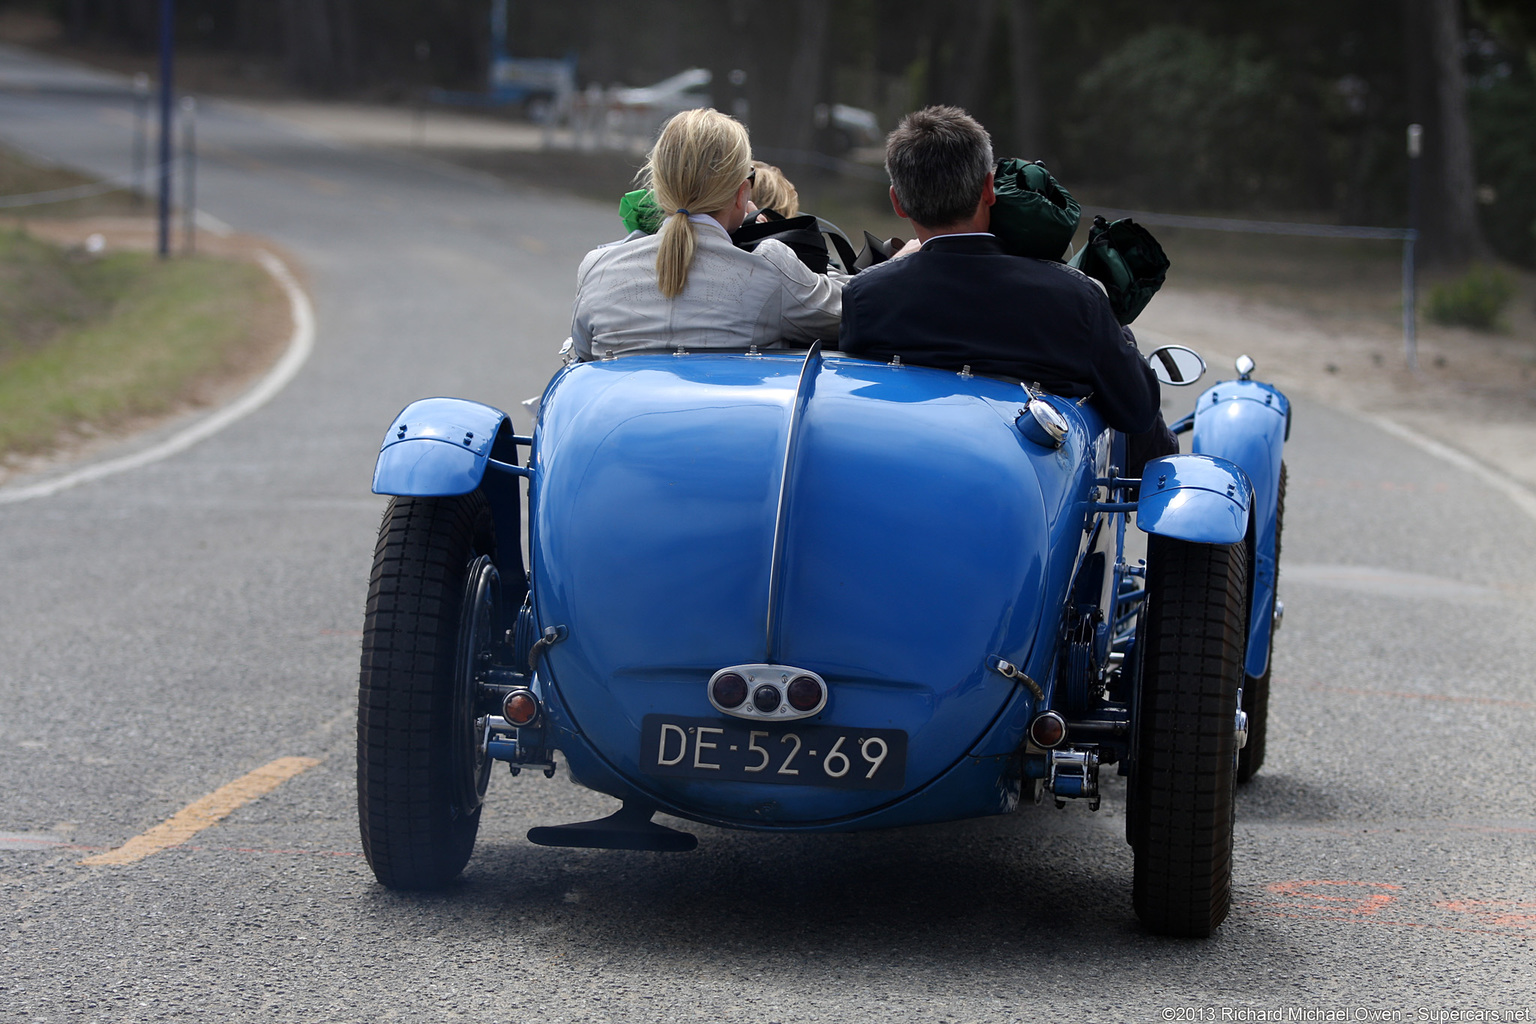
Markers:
<point>679,237</point>
<point>699,161</point>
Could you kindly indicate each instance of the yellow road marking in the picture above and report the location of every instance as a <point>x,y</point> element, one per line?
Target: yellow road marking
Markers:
<point>210,810</point>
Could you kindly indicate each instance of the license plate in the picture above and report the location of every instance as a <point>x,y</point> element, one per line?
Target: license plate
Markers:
<point>788,755</point>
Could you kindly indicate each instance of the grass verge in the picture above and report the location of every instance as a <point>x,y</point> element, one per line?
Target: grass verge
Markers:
<point>89,343</point>
<point>20,175</point>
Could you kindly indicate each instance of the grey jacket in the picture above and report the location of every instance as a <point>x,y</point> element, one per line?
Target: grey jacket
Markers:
<point>733,299</point>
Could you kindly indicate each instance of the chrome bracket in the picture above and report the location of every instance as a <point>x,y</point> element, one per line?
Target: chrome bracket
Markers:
<point>552,635</point>
<point>1074,776</point>
<point>1008,670</point>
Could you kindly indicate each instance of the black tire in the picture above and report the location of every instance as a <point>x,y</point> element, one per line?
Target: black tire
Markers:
<point>1256,688</point>
<point>1183,775</point>
<point>419,783</point>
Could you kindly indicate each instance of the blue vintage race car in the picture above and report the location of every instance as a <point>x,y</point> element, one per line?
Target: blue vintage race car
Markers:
<point>795,591</point>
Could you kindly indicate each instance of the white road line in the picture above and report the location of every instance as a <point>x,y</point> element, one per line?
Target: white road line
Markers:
<point>1522,497</point>
<point>299,347</point>
<point>1524,500</point>
<point>211,224</point>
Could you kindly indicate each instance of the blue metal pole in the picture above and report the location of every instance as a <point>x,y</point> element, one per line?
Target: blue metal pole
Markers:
<point>498,30</point>
<point>1410,250</point>
<point>167,90</point>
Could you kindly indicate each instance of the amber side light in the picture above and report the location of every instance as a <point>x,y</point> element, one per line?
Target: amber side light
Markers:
<point>1048,730</point>
<point>520,707</point>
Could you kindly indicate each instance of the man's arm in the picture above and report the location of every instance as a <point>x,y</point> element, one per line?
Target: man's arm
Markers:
<point>1125,388</point>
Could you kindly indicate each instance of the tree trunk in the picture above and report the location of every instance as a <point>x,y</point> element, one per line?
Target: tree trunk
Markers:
<point>737,47</point>
<point>343,41</point>
<point>318,43</point>
<point>77,18</point>
<point>1024,60</point>
<point>959,41</point>
<point>968,59</point>
<point>803,88</point>
<point>1449,233</point>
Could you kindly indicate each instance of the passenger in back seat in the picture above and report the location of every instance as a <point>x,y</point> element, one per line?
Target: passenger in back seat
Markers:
<point>688,285</point>
<point>955,299</point>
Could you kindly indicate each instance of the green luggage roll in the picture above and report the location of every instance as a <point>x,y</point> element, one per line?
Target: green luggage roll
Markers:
<point>1125,258</point>
<point>1033,216</point>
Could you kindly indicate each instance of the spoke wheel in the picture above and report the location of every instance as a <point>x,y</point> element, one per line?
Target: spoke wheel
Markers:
<point>471,763</point>
<point>1256,688</point>
<point>1184,772</point>
<point>421,766</point>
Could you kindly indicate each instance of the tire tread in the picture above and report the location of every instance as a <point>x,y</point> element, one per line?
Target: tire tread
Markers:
<point>412,835</point>
<point>1182,786</point>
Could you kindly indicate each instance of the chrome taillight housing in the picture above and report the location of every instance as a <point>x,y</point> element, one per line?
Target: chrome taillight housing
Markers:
<point>776,693</point>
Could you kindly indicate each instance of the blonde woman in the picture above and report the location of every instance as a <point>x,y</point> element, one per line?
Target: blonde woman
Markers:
<point>687,286</point>
<point>772,191</point>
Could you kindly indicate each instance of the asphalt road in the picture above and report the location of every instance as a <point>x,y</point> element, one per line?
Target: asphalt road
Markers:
<point>166,631</point>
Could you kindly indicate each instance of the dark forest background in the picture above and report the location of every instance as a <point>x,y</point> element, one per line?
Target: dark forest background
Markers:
<point>1260,108</point>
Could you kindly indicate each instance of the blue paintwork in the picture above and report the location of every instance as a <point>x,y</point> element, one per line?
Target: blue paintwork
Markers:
<point>914,542</point>
<point>1195,498</point>
<point>438,447</point>
<point>1246,422</point>
<point>888,527</point>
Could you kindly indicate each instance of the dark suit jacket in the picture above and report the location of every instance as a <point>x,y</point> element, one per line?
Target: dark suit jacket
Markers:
<point>961,301</point>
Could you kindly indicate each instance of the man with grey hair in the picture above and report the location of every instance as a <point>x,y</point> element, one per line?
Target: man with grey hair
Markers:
<point>957,300</point>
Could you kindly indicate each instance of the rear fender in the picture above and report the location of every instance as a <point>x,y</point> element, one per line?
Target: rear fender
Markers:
<point>439,447</point>
<point>1247,422</point>
<point>1196,498</point>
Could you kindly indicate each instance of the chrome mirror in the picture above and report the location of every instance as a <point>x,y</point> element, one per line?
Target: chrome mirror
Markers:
<point>1175,364</point>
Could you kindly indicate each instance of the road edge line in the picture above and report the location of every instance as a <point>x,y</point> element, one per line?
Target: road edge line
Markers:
<point>1517,493</point>
<point>1522,497</point>
<point>300,344</point>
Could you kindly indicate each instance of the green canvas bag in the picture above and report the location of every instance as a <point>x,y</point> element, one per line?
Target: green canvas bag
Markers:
<point>1125,258</point>
<point>1033,216</point>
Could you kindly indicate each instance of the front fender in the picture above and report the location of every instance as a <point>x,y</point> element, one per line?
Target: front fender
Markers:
<point>1196,498</point>
<point>1247,423</point>
<point>438,447</point>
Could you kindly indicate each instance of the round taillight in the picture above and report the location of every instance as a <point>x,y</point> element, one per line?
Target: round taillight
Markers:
<point>729,690</point>
<point>1048,730</point>
<point>804,693</point>
<point>766,699</point>
<point>520,707</point>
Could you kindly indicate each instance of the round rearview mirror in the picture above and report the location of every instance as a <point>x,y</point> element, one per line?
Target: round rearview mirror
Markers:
<point>1175,364</point>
